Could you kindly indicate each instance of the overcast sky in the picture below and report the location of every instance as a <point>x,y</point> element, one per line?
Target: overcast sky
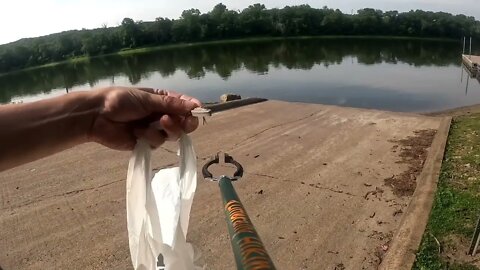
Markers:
<point>30,18</point>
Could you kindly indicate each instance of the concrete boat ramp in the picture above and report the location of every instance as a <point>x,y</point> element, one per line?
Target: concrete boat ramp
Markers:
<point>326,187</point>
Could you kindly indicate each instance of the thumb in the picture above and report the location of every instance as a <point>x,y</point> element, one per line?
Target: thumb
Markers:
<point>169,105</point>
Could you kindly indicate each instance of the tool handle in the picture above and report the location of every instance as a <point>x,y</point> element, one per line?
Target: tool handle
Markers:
<point>248,249</point>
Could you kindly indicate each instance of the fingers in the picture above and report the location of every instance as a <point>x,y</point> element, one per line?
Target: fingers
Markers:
<point>169,105</point>
<point>153,136</point>
<point>190,123</point>
<point>175,126</point>
<point>168,128</point>
<point>181,96</point>
<point>168,93</point>
<point>151,90</point>
<point>172,126</point>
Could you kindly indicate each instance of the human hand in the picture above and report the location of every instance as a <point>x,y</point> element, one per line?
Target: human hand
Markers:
<point>128,113</point>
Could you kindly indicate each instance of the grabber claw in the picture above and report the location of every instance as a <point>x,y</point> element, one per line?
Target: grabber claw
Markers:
<point>216,160</point>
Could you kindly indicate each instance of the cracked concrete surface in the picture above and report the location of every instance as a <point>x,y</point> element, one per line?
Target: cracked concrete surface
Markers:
<point>314,188</point>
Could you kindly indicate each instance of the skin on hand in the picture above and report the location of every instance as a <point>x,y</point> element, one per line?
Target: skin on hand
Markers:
<point>128,114</point>
<point>115,117</point>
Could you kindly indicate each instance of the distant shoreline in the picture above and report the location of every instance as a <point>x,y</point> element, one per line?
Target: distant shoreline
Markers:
<point>126,52</point>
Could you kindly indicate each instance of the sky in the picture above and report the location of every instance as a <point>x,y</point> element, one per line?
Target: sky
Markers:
<point>31,18</point>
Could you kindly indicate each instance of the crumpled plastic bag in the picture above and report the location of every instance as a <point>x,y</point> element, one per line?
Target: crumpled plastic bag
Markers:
<point>158,209</point>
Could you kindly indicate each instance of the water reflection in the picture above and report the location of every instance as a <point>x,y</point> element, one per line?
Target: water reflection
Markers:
<point>256,57</point>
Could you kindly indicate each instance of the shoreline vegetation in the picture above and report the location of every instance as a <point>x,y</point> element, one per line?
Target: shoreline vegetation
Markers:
<point>456,206</point>
<point>454,214</point>
<point>224,60</point>
<point>221,25</point>
<point>147,49</point>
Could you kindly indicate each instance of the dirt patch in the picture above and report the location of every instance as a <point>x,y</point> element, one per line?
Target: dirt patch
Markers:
<point>385,239</point>
<point>454,249</point>
<point>414,153</point>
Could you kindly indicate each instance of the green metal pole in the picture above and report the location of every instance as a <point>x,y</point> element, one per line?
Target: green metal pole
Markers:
<point>247,247</point>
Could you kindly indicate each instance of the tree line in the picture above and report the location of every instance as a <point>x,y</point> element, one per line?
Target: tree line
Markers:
<point>225,59</point>
<point>222,23</point>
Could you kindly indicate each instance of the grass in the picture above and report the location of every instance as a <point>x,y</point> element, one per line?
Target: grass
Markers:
<point>260,39</point>
<point>74,60</point>
<point>457,201</point>
<point>125,52</point>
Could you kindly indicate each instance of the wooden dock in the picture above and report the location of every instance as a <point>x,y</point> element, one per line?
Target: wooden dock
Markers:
<point>472,63</point>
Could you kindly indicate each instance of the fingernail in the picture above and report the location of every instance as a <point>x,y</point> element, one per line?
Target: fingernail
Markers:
<point>190,124</point>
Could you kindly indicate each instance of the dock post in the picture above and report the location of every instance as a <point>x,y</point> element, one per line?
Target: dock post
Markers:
<point>464,40</point>
<point>466,93</point>
<point>470,55</point>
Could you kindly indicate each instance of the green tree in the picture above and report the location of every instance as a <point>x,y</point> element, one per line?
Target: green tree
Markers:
<point>130,33</point>
<point>222,23</point>
<point>188,27</point>
<point>255,20</point>
<point>162,30</point>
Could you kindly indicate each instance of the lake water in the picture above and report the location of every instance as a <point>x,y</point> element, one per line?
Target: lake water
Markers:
<point>397,75</point>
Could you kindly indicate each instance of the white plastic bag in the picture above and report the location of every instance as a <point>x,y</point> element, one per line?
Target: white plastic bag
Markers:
<point>158,209</point>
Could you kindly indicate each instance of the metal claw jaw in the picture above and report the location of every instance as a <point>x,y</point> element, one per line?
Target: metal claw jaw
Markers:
<point>216,160</point>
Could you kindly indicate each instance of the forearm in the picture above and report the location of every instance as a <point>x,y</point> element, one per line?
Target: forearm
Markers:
<point>34,130</point>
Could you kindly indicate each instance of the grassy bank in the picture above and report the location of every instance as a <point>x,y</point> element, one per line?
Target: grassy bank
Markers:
<point>68,61</point>
<point>126,52</point>
<point>266,39</point>
<point>457,203</point>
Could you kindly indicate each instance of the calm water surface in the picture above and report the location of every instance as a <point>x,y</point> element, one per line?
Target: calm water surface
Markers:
<point>398,75</point>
